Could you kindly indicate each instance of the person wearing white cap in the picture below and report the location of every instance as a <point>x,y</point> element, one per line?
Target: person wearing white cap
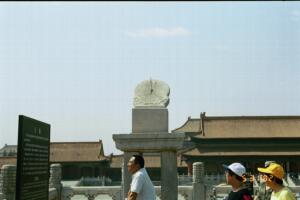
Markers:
<point>234,176</point>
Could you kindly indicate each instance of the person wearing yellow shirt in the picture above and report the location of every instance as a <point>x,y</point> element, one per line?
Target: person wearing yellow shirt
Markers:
<point>273,176</point>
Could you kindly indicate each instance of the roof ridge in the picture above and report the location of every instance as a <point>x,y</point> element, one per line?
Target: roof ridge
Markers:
<point>251,117</point>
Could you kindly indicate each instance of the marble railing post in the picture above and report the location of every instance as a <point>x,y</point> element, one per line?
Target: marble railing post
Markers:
<point>8,182</point>
<point>199,192</point>
<point>169,178</point>
<point>55,179</point>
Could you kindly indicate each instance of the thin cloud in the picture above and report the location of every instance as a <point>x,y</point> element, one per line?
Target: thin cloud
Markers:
<point>159,32</point>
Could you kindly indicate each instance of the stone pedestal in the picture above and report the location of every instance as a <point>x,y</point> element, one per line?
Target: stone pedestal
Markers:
<point>165,143</point>
<point>149,142</point>
<point>169,178</point>
<point>149,120</point>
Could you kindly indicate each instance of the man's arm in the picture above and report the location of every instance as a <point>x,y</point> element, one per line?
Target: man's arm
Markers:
<point>132,195</point>
<point>136,187</point>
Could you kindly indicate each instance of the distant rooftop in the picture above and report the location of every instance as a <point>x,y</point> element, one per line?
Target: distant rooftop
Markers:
<point>76,151</point>
<point>65,152</point>
<point>241,126</point>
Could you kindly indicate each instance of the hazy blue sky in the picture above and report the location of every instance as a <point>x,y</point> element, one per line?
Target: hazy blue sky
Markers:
<point>76,65</point>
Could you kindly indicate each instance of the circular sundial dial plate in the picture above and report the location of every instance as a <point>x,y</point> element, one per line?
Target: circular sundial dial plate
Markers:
<point>151,93</point>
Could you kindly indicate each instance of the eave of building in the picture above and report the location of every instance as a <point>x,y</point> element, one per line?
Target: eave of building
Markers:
<point>243,157</point>
<point>241,152</point>
<point>218,143</point>
<point>182,129</point>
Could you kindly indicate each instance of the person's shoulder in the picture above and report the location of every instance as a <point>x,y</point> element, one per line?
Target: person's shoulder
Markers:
<point>141,172</point>
<point>285,190</point>
<point>286,194</point>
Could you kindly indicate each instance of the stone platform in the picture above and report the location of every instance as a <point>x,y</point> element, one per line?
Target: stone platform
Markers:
<point>149,142</point>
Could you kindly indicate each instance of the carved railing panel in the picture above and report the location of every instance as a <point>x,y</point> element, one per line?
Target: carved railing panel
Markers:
<point>91,193</point>
<point>158,192</point>
<point>103,196</point>
<point>114,192</point>
<point>185,192</point>
<point>79,197</point>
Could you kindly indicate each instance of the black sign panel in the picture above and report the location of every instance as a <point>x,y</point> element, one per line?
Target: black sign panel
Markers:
<point>33,160</point>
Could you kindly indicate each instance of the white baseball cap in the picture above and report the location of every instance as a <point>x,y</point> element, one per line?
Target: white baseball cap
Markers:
<point>236,168</point>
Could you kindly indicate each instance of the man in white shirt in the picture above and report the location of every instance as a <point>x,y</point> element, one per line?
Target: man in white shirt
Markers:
<point>141,187</point>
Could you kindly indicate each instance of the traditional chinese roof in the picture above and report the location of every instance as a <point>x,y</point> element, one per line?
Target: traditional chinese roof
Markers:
<point>242,127</point>
<point>76,151</point>
<point>116,161</point>
<point>8,150</point>
<point>69,152</point>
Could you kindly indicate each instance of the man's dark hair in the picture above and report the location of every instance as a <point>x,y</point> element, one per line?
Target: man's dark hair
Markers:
<point>139,160</point>
<point>277,180</point>
<point>231,173</point>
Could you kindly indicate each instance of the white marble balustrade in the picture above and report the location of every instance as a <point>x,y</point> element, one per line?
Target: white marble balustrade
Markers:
<point>91,193</point>
<point>185,192</point>
<point>115,192</point>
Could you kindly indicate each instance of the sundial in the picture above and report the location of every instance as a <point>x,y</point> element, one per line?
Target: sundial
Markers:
<point>151,93</point>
